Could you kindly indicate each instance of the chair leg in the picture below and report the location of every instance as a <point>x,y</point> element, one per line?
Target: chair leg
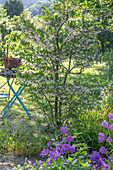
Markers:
<point>16,95</point>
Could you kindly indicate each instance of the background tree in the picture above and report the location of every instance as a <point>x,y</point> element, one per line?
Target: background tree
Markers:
<point>105,18</point>
<point>13,7</point>
<point>4,29</point>
<point>6,26</point>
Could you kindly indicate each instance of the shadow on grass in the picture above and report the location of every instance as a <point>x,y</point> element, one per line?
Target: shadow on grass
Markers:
<point>29,136</point>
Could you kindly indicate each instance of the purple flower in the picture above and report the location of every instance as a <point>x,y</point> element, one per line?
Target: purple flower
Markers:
<point>63,129</point>
<point>96,158</point>
<point>109,139</point>
<point>49,143</point>
<point>105,124</point>
<point>110,158</point>
<point>105,166</point>
<point>44,152</point>
<point>50,161</point>
<point>64,148</point>
<point>70,138</point>
<point>67,148</point>
<point>66,161</point>
<point>40,162</point>
<point>111,127</point>
<point>110,116</point>
<point>59,145</point>
<point>54,155</point>
<point>101,137</point>
<point>94,167</point>
<point>102,150</point>
<point>97,161</point>
<point>66,139</point>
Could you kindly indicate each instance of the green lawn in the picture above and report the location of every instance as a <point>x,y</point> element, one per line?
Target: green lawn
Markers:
<point>33,132</point>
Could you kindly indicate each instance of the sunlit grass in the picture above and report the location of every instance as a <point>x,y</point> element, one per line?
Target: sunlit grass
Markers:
<point>35,127</point>
<point>16,116</point>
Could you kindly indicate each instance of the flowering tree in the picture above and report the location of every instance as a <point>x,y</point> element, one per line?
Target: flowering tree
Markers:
<point>63,49</point>
<point>56,55</point>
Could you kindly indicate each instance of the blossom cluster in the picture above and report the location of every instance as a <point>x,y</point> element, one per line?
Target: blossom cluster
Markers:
<point>96,158</point>
<point>105,124</point>
<point>53,152</point>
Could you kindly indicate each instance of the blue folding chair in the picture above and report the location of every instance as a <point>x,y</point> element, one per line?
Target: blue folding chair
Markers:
<point>8,74</point>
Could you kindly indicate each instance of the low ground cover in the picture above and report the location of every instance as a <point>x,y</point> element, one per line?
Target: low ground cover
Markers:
<point>21,136</point>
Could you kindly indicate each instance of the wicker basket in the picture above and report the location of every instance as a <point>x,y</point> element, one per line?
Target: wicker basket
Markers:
<point>11,62</point>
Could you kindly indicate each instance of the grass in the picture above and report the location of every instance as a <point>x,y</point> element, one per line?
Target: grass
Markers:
<point>19,134</point>
<point>23,136</point>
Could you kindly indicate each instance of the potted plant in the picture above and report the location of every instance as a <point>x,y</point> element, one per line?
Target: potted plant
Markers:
<point>11,62</point>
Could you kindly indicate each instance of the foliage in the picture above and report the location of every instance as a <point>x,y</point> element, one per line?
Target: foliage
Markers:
<point>62,49</point>
<point>106,39</point>
<point>105,35</point>
<point>96,159</point>
<point>109,62</point>
<point>19,140</point>
<point>60,156</point>
<point>58,50</point>
<point>58,153</point>
<point>13,7</point>
<point>107,97</point>
<point>4,29</point>
<point>89,124</point>
<point>67,45</point>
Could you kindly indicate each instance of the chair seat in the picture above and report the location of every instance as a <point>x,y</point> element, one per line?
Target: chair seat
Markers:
<point>3,95</point>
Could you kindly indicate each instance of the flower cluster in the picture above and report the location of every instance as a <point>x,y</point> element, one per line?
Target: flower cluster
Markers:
<point>63,129</point>
<point>105,124</point>
<point>96,159</point>
<point>55,151</point>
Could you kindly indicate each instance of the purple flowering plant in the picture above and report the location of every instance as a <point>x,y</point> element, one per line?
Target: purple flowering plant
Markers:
<point>105,124</point>
<point>63,129</point>
<point>63,152</point>
<point>59,149</point>
<point>110,116</point>
<point>98,158</point>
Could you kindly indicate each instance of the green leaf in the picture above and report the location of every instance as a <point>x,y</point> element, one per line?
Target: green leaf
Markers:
<point>70,159</point>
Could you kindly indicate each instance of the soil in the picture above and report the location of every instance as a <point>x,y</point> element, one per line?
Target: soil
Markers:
<point>7,162</point>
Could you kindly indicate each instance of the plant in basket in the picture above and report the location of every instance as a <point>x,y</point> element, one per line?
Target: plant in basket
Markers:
<point>11,62</point>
